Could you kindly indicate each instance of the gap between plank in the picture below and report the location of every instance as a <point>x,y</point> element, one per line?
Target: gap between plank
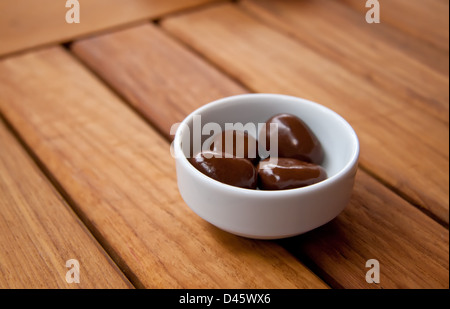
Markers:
<point>68,41</point>
<point>114,28</point>
<point>404,196</point>
<point>205,59</point>
<point>114,91</point>
<point>293,37</point>
<point>112,254</point>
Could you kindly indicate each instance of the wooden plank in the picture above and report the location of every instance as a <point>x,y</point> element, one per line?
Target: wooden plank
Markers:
<point>158,76</point>
<point>394,147</point>
<point>120,174</point>
<point>359,47</point>
<point>373,212</point>
<point>27,23</point>
<point>411,248</point>
<point>39,232</point>
<point>426,20</point>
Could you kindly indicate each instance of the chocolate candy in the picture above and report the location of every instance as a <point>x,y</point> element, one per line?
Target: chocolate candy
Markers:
<point>236,143</point>
<point>295,139</point>
<point>237,172</point>
<point>299,156</point>
<point>288,174</point>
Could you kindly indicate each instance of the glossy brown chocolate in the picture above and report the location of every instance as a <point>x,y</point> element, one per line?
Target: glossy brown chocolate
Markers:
<point>237,172</point>
<point>236,143</point>
<point>295,139</point>
<point>288,174</point>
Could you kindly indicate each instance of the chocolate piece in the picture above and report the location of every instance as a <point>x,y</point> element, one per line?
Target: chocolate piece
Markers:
<point>288,174</point>
<point>237,172</point>
<point>295,139</point>
<point>236,143</point>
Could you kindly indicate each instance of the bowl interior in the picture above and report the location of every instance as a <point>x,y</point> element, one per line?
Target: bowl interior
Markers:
<point>338,139</point>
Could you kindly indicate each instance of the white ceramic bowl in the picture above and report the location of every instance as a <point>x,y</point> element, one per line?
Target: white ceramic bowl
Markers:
<point>271,214</point>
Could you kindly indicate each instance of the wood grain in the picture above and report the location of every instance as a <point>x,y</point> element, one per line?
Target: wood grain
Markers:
<point>27,23</point>
<point>375,225</point>
<point>411,248</point>
<point>360,48</point>
<point>121,177</point>
<point>426,20</point>
<point>39,232</point>
<point>395,147</point>
<point>158,76</point>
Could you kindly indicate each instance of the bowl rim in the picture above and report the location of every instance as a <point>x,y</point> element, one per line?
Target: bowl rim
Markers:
<point>180,157</point>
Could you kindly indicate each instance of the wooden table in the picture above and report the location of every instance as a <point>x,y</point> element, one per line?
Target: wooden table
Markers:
<point>86,109</point>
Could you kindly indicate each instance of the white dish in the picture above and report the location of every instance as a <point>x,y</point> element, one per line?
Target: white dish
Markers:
<point>271,214</point>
